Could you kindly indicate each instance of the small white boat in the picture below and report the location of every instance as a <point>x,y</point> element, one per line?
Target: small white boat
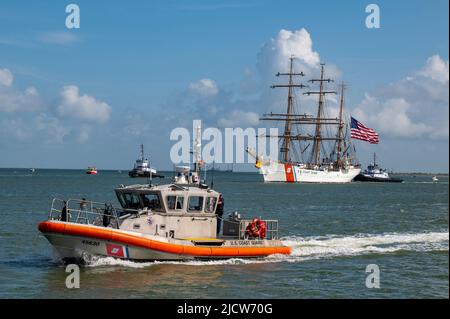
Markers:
<point>435,179</point>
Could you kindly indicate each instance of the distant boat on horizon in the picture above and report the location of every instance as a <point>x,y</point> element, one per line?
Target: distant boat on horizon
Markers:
<point>91,170</point>
<point>142,167</point>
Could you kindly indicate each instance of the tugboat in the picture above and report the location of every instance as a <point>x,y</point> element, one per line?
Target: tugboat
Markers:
<point>142,168</point>
<point>176,221</point>
<point>91,170</point>
<point>373,173</point>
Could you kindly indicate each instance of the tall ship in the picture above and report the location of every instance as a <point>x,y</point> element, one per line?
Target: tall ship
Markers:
<point>313,148</point>
<point>142,167</point>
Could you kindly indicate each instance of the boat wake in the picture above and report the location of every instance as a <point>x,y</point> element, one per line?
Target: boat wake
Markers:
<point>315,247</point>
<point>362,244</point>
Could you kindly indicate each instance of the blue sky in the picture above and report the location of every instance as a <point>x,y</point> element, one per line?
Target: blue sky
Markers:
<point>140,59</point>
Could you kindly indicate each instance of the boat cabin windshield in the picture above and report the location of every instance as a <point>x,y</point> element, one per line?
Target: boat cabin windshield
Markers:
<point>140,201</point>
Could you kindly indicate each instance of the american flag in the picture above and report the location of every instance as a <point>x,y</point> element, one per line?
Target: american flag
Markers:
<point>360,132</point>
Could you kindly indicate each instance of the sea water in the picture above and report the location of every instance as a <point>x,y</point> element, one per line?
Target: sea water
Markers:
<point>335,231</point>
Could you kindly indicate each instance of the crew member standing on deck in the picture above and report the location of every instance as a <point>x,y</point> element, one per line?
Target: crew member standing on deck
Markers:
<point>219,212</point>
<point>64,212</point>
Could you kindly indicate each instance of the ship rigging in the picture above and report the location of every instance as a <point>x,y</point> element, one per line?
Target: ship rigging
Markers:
<point>314,160</point>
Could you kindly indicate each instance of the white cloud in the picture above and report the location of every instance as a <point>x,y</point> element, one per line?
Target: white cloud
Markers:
<point>436,69</point>
<point>58,37</point>
<point>204,87</point>
<point>390,117</point>
<point>207,100</point>
<point>13,100</point>
<point>16,128</point>
<point>53,130</point>
<point>6,77</point>
<point>83,107</point>
<point>415,107</point>
<point>276,52</point>
<point>273,57</point>
<point>239,118</point>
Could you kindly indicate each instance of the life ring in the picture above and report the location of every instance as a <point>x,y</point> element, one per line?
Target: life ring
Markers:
<point>256,228</point>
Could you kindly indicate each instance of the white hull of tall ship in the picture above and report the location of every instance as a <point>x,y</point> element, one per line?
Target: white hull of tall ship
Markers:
<point>296,173</point>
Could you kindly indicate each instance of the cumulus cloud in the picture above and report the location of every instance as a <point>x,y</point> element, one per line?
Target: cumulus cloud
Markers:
<point>391,117</point>
<point>51,127</point>
<point>273,57</point>
<point>275,53</point>
<point>436,69</point>
<point>238,118</point>
<point>206,99</point>
<point>6,77</point>
<point>414,107</point>
<point>16,128</point>
<point>204,87</point>
<point>14,100</point>
<point>83,107</point>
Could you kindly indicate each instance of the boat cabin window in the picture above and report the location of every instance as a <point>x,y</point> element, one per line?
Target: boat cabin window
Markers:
<point>195,204</point>
<point>129,200</point>
<point>175,202</point>
<point>210,204</point>
<point>151,201</point>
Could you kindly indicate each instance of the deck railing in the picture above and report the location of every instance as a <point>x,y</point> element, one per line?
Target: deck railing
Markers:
<point>271,229</point>
<point>84,212</point>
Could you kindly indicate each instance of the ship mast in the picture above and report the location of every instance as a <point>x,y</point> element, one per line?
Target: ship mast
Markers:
<point>142,153</point>
<point>285,148</point>
<point>341,126</point>
<point>318,133</point>
<point>291,119</point>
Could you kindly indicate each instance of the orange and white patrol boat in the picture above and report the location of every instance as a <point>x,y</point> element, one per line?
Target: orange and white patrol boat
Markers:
<point>176,221</point>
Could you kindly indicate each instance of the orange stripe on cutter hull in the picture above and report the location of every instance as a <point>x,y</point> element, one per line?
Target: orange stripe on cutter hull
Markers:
<point>129,239</point>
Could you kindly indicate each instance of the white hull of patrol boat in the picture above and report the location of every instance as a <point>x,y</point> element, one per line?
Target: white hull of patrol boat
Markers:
<point>74,241</point>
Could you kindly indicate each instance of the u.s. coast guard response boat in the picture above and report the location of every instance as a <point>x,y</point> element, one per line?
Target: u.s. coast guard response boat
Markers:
<point>177,221</point>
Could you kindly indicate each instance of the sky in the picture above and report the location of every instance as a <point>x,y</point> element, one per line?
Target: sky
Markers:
<point>134,71</point>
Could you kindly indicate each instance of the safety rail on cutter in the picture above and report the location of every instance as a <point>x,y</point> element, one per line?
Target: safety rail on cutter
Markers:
<point>85,212</point>
<point>271,228</point>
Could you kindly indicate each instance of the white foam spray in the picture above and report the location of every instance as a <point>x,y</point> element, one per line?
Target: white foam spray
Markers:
<point>316,247</point>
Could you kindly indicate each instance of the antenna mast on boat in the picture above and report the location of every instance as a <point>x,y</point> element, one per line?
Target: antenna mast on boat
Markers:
<point>198,149</point>
<point>341,126</point>
<point>322,93</point>
<point>285,147</point>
